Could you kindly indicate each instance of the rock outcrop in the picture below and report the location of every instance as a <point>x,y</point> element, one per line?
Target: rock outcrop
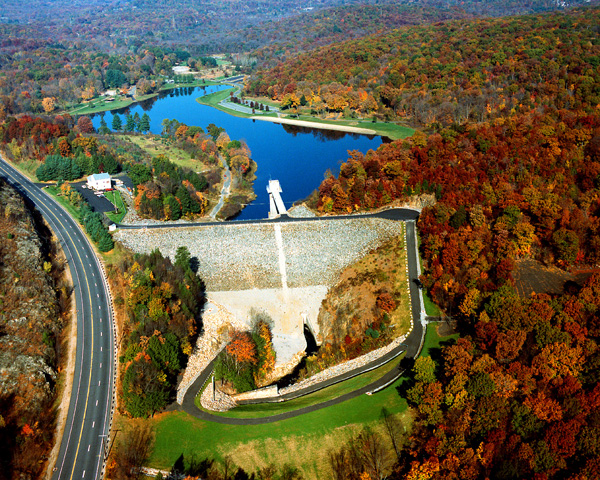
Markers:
<point>29,324</point>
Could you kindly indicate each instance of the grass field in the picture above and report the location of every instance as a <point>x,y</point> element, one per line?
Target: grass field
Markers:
<point>334,391</point>
<point>153,146</point>
<point>115,198</point>
<point>303,441</point>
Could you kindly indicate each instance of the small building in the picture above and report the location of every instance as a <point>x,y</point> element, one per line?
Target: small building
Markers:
<point>275,201</point>
<point>99,181</point>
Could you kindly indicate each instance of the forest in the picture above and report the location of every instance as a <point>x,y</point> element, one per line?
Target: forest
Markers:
<point>516,396</point>
<point>62,53</point>
<point>163,302</point>
<point>449,72</point>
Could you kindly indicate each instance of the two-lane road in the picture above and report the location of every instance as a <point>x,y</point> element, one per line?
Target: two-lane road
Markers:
<point>89,416</point>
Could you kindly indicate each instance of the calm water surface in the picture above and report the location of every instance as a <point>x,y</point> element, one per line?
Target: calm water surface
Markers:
<point>297,157</point>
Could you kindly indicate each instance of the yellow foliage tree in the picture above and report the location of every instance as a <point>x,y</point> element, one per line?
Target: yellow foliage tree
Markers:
<point>48,103</point>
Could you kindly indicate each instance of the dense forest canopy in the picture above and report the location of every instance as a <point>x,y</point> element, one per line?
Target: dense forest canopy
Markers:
<point>63,54</point>
<point>451,72</point>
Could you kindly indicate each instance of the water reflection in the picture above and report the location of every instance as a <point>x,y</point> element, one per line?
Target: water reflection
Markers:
<point>320,134</point>
<point>296,156</point>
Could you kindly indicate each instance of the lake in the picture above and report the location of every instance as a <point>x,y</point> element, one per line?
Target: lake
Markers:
<point>297,157</point>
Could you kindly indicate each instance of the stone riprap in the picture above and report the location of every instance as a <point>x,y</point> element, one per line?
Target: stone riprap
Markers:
<point>243,257</point>
<point>216,321</point>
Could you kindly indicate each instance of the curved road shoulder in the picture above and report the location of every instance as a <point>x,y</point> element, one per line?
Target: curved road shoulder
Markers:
<point>83,444</point>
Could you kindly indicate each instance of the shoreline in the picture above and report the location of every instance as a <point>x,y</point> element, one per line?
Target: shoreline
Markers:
<point>321,126</point>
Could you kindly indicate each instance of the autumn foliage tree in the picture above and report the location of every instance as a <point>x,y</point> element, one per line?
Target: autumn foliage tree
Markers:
<point>163,304</point>
<point>249,357</point>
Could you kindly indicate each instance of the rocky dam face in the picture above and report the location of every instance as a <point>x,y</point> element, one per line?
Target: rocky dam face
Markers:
<point>281,268</point>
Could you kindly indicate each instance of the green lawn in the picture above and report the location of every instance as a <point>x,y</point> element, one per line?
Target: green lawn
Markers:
<point>213,99</point>
<point>100,104</point>
<point>433,341</point>
<point>390,130</point>
<point>154,146</point>
<point>115,198</point>
<point>430,308</point>
<point>302,441</point>
<point>334,391</point>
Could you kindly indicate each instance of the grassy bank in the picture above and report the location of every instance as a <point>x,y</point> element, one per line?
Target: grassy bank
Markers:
<point>329,393</point>
<point>68,206</point>
<point>120,209</point>
<point>100,104</point>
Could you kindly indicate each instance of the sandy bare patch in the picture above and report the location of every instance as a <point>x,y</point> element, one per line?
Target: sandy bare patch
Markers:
<point>320,126</point>
<point>288,308</point>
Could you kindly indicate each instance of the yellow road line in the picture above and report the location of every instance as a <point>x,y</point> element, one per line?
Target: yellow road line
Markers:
<point>90,300</point>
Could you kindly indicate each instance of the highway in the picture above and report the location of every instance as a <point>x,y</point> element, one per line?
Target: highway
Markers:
<point>87,427</point>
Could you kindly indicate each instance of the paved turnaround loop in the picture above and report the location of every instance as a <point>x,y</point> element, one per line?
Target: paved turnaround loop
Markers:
<point>412,346</point>
<point>85,437</point>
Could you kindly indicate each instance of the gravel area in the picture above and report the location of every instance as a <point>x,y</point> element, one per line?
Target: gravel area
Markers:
<point>215,321</point>
<point>240,257</point>
<point>301,211</point>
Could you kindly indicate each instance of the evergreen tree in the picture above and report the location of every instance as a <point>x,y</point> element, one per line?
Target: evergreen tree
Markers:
<point>172,205</point>
<point>145,123</point>
<point>103,130</point>
<point>105,243</point>
<point>184,197</point>
<point>116,123</point>
<point>129,123</point>
<point>136,121</point>
<point>182,258</point>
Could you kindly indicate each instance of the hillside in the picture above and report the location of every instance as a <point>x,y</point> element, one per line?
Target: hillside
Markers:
<point>30,324</point>
<point>54,55</point>
<point>449,72</point>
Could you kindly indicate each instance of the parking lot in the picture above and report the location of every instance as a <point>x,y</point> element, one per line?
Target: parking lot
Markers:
<point>99,204</point>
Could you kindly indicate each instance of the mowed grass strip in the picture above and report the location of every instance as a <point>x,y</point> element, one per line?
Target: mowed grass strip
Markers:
<point>329,393</point>
<point>115,198</point>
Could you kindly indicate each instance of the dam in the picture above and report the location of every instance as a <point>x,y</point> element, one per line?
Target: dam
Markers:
<point>282,268</point>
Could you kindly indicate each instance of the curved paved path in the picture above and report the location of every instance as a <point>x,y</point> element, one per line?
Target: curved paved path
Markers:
<point>412,346</point>
<point>225,190</point>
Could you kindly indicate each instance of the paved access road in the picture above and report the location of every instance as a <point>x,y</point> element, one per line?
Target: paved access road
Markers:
<point>412,346</point>
<point>89,416</point>
<point>398,214</point>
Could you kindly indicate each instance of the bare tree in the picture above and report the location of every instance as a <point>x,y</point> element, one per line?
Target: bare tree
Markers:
<point>133,450</point>
<point>374,453</point>
<point>395,430</point>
